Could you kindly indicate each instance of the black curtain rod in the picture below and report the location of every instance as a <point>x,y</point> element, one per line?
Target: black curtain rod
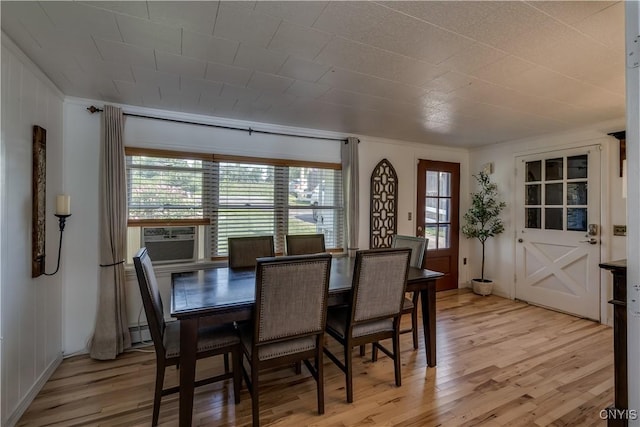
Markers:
<point>93,109</point>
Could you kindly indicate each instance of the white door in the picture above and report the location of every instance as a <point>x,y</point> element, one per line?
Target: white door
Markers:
<point>558,230</point>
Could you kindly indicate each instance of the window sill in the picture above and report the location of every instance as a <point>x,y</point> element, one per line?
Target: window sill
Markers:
<point>181,267</point>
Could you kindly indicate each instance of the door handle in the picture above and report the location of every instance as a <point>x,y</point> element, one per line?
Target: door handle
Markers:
<point>520,240</point>
<point>591,241</point>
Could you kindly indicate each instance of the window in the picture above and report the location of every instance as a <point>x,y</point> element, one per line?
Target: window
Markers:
<point>234,196</point>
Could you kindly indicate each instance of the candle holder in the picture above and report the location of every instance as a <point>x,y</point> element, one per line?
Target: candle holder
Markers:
<point>62,221</point>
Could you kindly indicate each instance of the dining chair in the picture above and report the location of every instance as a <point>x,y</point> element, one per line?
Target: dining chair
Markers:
<point>377,294</point>
<point>301,244</point>
<point>418,247</point>
<point>243,251</point>
<point>288,320</point>
<point>212,341</point>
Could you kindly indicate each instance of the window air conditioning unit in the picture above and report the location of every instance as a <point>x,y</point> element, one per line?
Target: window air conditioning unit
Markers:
<point>170,244</point>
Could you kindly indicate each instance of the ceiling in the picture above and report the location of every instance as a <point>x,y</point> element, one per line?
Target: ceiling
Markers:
<point>453,73</point>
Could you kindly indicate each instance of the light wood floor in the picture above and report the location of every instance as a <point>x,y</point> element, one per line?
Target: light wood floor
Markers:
<point>499,363</point>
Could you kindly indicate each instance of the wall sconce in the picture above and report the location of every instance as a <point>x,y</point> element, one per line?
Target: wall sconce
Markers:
<point>63,211</point>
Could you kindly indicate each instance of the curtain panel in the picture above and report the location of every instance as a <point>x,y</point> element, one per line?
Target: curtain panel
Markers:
<point>111,334</point>
<point>350,173</point>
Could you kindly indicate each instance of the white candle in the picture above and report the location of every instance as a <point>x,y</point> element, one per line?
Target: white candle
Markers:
<point>63,204</point>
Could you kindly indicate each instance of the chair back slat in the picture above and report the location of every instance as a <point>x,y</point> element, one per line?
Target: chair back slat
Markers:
<point>243,251</point>
<point>291,297</point>
<point>151,299</point>
<point>379,283</point>
<point>301,244</point>
<point>418,246</point>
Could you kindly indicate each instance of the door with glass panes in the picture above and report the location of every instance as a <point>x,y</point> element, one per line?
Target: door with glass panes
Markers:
<point>438,218</point>
<point>558,230</point>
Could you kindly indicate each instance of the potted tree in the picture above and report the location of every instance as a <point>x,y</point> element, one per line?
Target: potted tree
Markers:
<point>482,221</point>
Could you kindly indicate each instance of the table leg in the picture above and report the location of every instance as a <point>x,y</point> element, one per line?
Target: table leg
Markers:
<point>428,300</point>
<point>188,348</point>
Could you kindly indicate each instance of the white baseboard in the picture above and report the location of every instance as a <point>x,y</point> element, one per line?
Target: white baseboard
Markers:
<point>13,419</point>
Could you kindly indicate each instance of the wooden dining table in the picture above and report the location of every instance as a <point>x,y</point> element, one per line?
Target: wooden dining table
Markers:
<point>225,295</point>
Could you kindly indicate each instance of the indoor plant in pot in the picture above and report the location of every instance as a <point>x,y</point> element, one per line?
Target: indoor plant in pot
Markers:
<point>482,221</point>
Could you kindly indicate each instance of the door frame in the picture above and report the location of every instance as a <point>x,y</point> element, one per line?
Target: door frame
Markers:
<point>605,146</point>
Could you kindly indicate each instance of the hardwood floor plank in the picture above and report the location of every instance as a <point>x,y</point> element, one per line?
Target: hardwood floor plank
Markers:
<point>500,363</point>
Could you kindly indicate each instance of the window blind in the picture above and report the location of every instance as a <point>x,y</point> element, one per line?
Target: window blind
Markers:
<point>236,197</point>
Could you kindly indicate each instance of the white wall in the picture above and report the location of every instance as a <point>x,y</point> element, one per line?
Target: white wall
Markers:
<point>500,264</point>
<point>82,141</point>
<point>31,311</point>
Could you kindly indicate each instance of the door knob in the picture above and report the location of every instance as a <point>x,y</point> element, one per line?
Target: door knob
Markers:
<point>520,240</point>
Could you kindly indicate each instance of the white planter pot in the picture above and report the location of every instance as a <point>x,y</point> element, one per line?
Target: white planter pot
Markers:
<point>482,287</point>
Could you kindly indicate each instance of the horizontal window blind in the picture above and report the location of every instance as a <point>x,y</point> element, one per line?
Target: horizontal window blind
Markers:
<point>236,197</point>
<point>160,188</point>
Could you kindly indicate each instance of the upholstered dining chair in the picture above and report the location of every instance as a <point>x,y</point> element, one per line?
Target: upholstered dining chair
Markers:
<point>288,320</point>
<point>377,294</point>
<point>212,341</point>
<point>301,244</point>
<point>418,247</point>
<point>243,251</point>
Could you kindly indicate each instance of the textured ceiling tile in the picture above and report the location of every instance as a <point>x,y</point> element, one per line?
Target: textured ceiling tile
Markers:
<point>257,58</point>
<point>200,87</point>
<point>244,25</point>
<point>507,24</point>
<point>146,33</point>
<point>299,12</point>
<point>126,53</point>
<point>209,48</point>
<point>182,14</point>
<point>302,69</point>
<point>379,26</point>
<point>503,69</point>
<point>304,42</point>
<point>307,89</point>
<point>377,62</point>
<point>457,16</point>
<point>227,74</point>
<point>133,8</point>
<point>181,65</point>
<point>269,82</point>
<point>571,12</point>
<point>105,69</point>
<point>148,80</point>
<point>449,82</point>
<point>599,27</point>
<point>82,19</point>
<point>240,93</point>
<point>473,57</point>
<point>348,80</point>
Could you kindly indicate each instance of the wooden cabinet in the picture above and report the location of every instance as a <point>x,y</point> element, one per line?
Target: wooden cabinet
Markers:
<point>619,302</point>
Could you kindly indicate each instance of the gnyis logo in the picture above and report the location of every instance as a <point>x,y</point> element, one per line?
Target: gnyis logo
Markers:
<point>618,414</point>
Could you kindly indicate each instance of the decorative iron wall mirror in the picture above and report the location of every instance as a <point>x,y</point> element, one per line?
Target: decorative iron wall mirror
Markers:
<point>384,205</point>
<point>39,205</point>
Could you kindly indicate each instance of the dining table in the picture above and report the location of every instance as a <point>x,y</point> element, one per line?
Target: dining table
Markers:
<point>225,295</point>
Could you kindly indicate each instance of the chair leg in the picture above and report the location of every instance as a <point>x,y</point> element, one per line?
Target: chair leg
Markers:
<point>414,320</point>
<point>362,350</point>
<point>255,395</point>
<point>396,358</point>
<point>298,367</point>
<point>374,352</point>
<point>226,363</point>
<point>236,359</point>
<point>348,364</point>
<point>320,382</point>
<point>157,396</point>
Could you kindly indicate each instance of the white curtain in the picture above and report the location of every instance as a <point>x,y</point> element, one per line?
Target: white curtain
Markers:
<point>111,335</point>
<point>350,170</point>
